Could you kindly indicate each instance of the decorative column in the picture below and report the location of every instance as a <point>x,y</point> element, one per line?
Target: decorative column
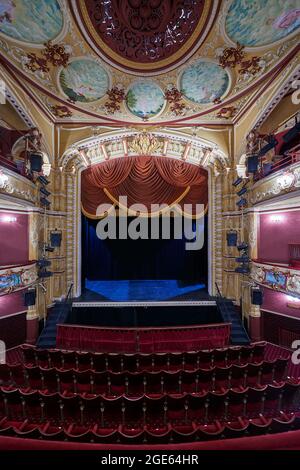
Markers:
<point>32,325</point>
<point>254,314</point>
<point>255,323</point>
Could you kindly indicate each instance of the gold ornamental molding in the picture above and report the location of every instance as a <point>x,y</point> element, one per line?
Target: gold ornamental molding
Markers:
<point>16,278</point>
<point>12,184</point>
<point>278,278</point>
<point>277,184</point>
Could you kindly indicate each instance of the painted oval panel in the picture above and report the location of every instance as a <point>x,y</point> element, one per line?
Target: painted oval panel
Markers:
<point>145,99</point>
<point>31,21</point>
<point>261,22</point>
<point>84,80</point>
<point>204,81</point>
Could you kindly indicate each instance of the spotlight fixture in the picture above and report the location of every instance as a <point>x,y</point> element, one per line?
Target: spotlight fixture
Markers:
<point>49,248</point>
<point>36,161</point>
<point>244,269</point>
<point>242,246</point>
<point>55,238</point>
<point>272,143</point>
<point>44,191</point>
<point>43,263</point>
<point>242,202</point>
<point>237,182</point>
<point>242,259</point>
<point>43,180</point>
<point>242,191</point>
<point>44,273</point>
<point>256,296</point>
<point>44,202</point>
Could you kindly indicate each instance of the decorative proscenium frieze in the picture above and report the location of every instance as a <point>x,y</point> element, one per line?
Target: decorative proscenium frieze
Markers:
<point>15,185</point>
<point>277,278</point>
<point>16,278</point>
<point>277,184</point>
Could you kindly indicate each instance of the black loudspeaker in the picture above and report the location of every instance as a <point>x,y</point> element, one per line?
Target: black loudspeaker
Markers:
<point>29,297</point>
<point>55,239</point>
<point>36,162</point>
<point>232,238</point>
<point>256,296</point>
<point>252,164</point>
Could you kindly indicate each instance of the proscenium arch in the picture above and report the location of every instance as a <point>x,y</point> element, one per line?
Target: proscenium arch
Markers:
<point>116,144</point>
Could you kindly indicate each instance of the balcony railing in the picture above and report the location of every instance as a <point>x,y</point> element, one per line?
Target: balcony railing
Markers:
<point>266,169</point>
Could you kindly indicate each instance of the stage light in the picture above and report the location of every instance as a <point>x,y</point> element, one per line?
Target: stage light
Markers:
<point>44,274</point>
<point>242,259</point>
<point>44,202</point>
<point>242,191</point>
<point>243,246</point>
<point>242,202</point>
<point>232,238</point>
<point>272,143</point>
<point>43,263</point>
<point>43,180</point>
<point>292,133</point>
<point>49,248</point>
<point>245,269</point>
<point>30,297</point>
<point>44,191</point>
<point>237,182</point>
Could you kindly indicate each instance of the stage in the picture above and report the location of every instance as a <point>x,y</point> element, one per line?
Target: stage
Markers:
<point>143,291</point>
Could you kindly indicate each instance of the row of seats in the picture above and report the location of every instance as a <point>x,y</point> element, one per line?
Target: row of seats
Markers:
<point>148,433</point>
<point>111,383</point>
<point>140,362</point>
<point>15,404</point>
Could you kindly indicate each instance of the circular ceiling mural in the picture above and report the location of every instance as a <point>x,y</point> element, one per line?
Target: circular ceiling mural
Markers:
<point>261,22</point>
<point>204,81</point>
<point>139,35</point>
<point>84,80</point>
<point>145,99</point>
<point>31,21</point>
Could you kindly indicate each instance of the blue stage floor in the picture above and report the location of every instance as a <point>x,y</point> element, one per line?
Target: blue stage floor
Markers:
<point>124,291</point>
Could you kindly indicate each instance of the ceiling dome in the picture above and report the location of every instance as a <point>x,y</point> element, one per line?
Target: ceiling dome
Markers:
<point>144,35</point>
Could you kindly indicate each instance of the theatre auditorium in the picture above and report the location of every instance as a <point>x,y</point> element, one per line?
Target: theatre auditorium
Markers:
<point>149,224</point>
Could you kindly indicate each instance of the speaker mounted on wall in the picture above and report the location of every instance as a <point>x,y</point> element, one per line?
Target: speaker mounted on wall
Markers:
<point>30,297</point>
<point>256,296</point>
<point>36,161</point>
<point>55,238</point>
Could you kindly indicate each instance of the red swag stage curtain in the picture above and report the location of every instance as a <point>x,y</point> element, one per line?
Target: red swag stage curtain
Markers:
<point>143,180</point>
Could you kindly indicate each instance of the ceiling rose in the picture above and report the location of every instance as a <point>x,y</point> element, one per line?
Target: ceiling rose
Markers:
<point>145,35</point>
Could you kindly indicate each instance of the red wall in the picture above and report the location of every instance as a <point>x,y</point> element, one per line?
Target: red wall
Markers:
<point>13,239</point>
<point>13,330</point>
<point>12,303</point>
<point>277,302</point>
<point>274,237</point>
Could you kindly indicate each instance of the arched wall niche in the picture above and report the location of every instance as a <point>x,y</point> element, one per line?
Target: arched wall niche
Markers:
<point>132,143</point>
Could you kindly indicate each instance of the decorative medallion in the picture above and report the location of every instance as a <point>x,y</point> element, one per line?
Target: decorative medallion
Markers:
<point>84,80</point>
<point>174,98</point>
<point>116,96</point>
<point>145,144</point>
<point>61,111</point>
<point>31,21</point>
<point>145,99</point>
<point>145,35</point>
<point>204,81</point>
<point>261,22</point>
<point>231,56</point>
<point>56,54</point>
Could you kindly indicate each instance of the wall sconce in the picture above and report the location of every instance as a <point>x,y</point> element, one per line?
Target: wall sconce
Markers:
<point>276,219</point>
<point>8,219</point>
<point>293,302</point>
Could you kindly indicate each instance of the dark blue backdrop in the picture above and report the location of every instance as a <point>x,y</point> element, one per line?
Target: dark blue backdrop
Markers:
<point>140,259</point>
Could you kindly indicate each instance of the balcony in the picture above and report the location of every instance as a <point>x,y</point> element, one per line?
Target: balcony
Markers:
<point>282,162</point>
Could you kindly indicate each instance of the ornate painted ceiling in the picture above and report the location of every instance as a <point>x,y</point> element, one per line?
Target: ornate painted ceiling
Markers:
<point>162,62</point>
